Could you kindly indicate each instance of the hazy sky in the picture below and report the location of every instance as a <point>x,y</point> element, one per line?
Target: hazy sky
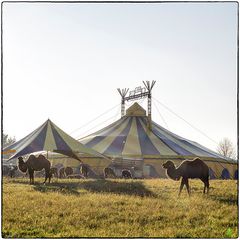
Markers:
<point>65,62</point>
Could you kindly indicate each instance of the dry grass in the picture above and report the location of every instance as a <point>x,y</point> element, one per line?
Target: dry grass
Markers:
<point>118,208</point>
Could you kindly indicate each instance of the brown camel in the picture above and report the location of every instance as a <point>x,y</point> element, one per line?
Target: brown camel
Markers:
<point>188,169</point>
<point>35,164</point>
<point>68,171</point>
<point>64,172</point>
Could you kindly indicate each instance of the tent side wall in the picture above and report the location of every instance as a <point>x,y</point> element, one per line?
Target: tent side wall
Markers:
<point>96,164</point>
<point>217,169</point>
<point>150,167</point>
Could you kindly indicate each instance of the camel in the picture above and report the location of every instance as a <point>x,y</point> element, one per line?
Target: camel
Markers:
<point>64,172</point>
<point>68,171</point>
<point>35,164</point>
<point>188,169</point>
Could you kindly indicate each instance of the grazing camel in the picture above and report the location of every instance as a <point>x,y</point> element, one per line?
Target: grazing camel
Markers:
<point>64,172</point>
<point>188,169</point>
<point>35,164</point>
<point>68,171</point>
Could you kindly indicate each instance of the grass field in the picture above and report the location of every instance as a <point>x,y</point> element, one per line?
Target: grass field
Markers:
<point>118,208</point>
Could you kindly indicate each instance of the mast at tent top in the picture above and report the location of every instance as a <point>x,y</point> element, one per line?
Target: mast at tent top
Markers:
<point>138,93</point>
<point>149,87</point>
<point>123,93</point>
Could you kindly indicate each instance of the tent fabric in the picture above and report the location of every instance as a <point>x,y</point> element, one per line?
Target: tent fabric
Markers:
<point>129,139</point>
<point>49,137</point>
<point>130,136</point>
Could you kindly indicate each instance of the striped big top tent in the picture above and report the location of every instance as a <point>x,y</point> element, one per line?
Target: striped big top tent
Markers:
<point>131,143</point>
<point>49,137</point>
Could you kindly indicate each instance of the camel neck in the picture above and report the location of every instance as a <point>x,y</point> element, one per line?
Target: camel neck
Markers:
<point>173,173</point>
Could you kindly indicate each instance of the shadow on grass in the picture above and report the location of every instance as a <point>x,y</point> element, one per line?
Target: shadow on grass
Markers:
<point>58,187</point>
<point>224,199</point>
<point>135,188</point>
<point>130,188</point>
<point>64,188</point>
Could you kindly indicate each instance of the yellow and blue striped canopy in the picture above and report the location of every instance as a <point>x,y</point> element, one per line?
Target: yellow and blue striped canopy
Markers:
<point>131,137</point>
<point>49,137</point>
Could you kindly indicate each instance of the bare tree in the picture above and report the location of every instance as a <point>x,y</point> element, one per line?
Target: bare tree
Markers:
<point>7,140</point>
<point>226,148</point>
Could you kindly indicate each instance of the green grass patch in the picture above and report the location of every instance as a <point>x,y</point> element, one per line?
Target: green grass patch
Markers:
<point>118,208</point>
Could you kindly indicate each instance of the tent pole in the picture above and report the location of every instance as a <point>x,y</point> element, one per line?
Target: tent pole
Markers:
<point>47,154</point>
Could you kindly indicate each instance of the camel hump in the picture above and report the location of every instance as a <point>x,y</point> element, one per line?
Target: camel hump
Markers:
<point>45,160</point>
<point>42,157</point>
<point>31,157</point>
<point>198,161</point>
<point>39,162</point>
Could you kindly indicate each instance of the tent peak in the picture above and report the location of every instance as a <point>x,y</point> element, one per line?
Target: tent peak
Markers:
<point>136,110</point>
<point>49,121</point>
<point>49,137</point>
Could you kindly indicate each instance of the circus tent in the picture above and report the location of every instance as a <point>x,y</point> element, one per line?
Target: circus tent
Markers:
<point>49,137</point>
<point>130,143</point>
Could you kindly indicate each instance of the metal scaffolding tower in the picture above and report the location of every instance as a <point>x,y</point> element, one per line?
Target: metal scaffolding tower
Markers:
<point>136,94</point>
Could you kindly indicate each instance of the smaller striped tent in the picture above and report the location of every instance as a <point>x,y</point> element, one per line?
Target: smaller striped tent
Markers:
<point>49,137</point>
<point>132,144</point>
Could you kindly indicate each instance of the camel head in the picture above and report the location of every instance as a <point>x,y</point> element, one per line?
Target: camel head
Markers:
<point>22,165</point>
<point>168,165</point>
<point>171,170</point>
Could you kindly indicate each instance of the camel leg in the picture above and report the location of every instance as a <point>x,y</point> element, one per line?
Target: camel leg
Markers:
<point>50,176</point>
<point>181,186</point>
<point>31,175</point>
<point>187,185</point>
<point>47,175</point>
<point>207,184</point>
